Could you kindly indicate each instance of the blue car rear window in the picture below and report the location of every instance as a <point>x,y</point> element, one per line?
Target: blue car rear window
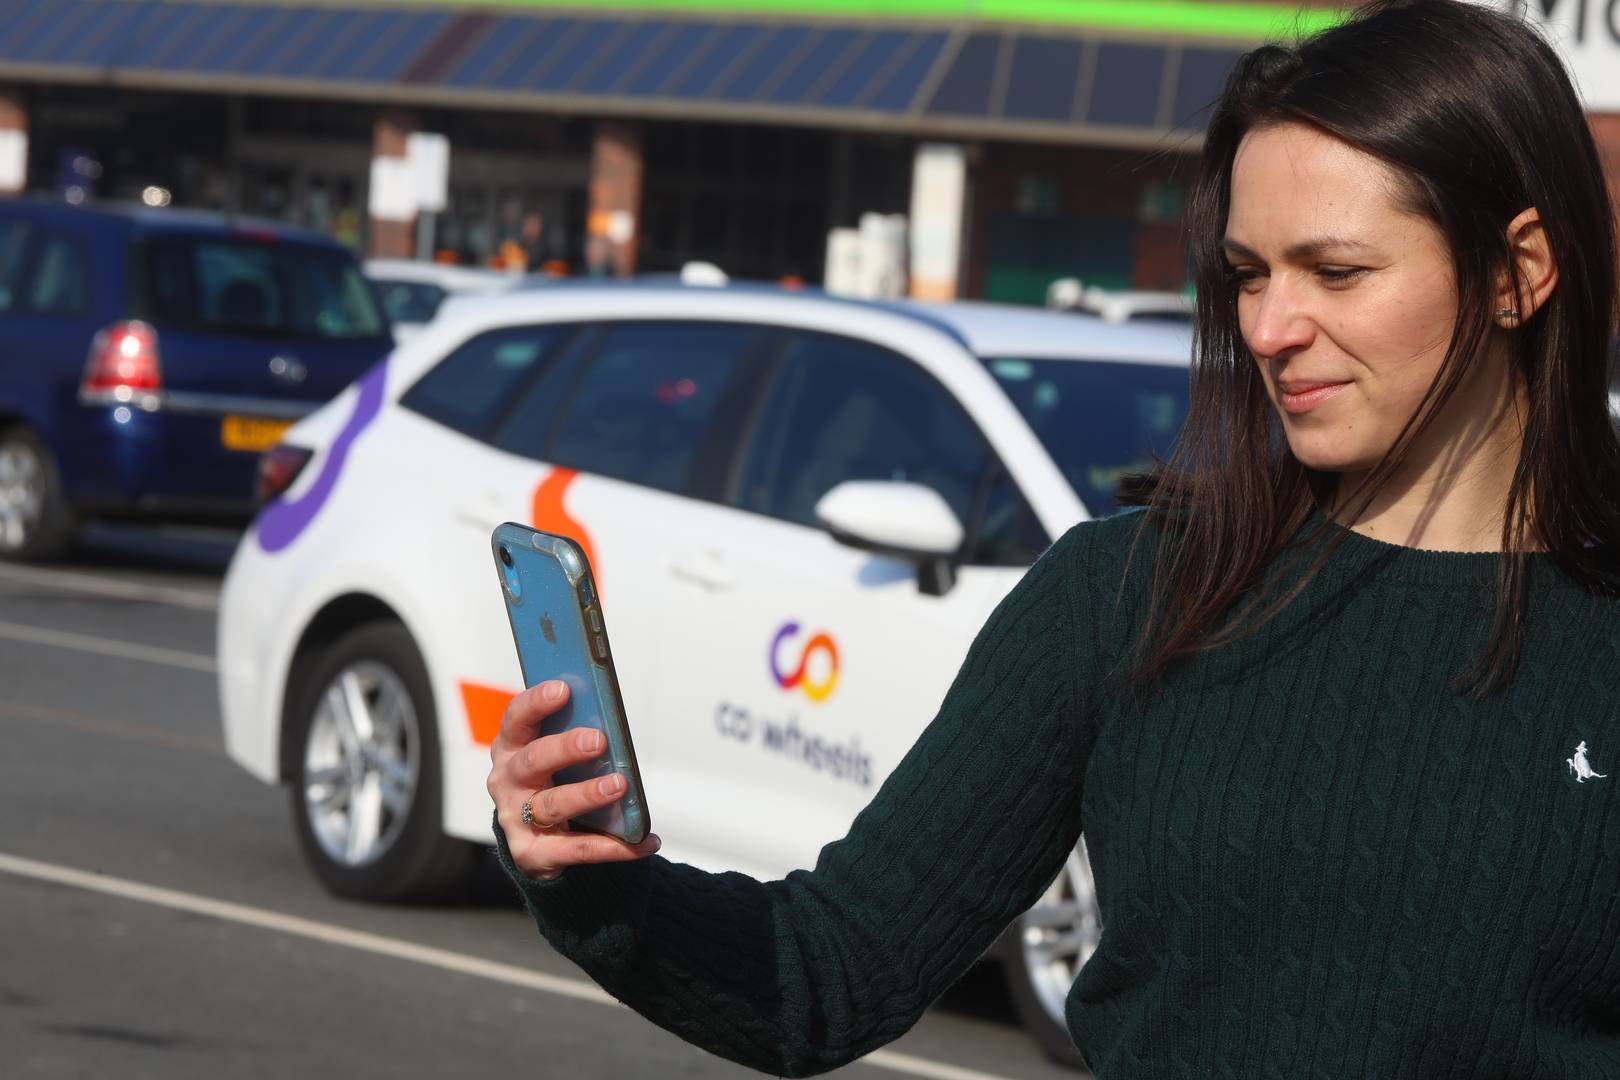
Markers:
<point>260,287</point>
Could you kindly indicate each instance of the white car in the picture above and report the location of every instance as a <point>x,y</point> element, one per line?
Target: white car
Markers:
<point>412,290</point>
<point>1069,294</point>
<point>800,509</point>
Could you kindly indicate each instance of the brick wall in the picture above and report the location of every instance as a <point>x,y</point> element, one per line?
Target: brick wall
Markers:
<point>1606,130</point>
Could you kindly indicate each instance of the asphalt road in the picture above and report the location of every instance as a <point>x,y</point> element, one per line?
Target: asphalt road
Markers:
<point>156,921</point>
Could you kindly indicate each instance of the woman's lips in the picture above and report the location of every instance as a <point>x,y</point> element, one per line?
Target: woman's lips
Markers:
<point>1303,396</point>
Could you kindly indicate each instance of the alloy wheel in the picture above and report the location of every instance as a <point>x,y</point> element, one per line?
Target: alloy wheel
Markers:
<point>361,763</point>
<point>1059,933</point>
<point>22,494</point>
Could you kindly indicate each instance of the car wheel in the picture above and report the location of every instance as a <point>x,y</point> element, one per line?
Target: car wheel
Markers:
<point>1043,951</point>
<point>367,792</point>
<point>35,521</point>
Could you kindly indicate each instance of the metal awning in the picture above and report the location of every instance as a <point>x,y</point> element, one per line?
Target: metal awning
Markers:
<point>941,79</point>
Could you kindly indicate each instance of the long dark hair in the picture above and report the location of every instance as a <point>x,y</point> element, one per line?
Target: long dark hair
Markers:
<point>1474,110</point>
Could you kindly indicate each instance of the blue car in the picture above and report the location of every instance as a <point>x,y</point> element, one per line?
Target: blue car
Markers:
<point>148,357</point>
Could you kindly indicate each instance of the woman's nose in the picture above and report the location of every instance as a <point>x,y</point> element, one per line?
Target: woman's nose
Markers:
<point>1277,322</point>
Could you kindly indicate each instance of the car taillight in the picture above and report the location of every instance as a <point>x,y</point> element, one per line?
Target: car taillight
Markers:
<point>279,466</point>
<point>123,362</point>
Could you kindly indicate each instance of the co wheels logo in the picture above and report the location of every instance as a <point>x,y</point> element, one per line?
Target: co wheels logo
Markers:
<point>817,687</point>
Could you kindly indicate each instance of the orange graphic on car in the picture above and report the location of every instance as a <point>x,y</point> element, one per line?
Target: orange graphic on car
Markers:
<point>548,514</point>
<point>485,705</point>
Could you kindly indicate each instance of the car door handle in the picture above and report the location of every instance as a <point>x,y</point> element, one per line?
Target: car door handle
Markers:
<point>706,569</point>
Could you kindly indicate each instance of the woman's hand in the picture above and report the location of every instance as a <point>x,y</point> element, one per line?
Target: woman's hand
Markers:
<point>523,766</point>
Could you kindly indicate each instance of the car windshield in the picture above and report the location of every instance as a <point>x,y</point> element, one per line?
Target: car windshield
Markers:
<point>1098,419</point>
<point>266,288</point>
<point>410,301</point>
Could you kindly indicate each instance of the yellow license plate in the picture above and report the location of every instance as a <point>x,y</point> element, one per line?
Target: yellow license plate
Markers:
<point>251,433</point>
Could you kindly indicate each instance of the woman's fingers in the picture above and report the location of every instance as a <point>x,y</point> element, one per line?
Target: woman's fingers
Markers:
<point>532,766</point>
<point>545,854</point>
<point>559,805</point>
<point>520,723</point>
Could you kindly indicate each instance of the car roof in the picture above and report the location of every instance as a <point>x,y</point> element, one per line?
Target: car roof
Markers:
<point>170,218</point>
<point>983,328</point>
<point>1007,330</point>
<point>448,277</point>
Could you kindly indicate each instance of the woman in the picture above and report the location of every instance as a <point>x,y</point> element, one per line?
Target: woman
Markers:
<point>1318,708</point>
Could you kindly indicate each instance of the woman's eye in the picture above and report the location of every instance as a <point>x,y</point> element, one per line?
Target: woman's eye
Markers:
<point>1339,275</point>
<point>1246,278</point>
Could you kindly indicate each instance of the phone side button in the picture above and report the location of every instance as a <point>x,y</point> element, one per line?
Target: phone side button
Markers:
<point>599,647</point>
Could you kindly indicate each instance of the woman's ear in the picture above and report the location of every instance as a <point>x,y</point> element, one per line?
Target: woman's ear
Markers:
<point>1523,288</point>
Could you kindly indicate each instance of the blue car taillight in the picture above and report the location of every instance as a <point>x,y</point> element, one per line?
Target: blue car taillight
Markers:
<point>123,366</point>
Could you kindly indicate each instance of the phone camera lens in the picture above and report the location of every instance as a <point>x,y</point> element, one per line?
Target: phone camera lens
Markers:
<point>506,556</point>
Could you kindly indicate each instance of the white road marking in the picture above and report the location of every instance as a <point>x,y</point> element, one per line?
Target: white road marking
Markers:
<point>68,581</point>
<point>578,989</point>
<point>65,639</point>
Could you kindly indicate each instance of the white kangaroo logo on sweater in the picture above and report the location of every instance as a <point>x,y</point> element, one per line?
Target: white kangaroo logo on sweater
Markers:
<point>1581,767</point>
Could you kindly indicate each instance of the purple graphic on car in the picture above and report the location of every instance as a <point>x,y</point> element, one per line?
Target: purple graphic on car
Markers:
<point>283,520</point>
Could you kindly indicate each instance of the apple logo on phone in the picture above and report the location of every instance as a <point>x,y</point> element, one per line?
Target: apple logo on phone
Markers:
<point>548,631</point>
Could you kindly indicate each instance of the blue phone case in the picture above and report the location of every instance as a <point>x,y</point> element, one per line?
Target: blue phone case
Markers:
<point>556,617</point>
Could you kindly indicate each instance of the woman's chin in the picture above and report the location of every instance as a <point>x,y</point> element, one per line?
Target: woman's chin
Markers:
<point>1332,455</point>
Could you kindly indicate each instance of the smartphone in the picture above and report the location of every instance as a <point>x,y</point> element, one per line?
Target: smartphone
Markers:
<point>556,617</point>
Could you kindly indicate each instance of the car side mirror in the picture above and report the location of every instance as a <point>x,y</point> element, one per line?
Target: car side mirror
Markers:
<point>899,519</point>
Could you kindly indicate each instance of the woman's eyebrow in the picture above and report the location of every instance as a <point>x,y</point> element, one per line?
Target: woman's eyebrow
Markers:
<point>1305,249</point>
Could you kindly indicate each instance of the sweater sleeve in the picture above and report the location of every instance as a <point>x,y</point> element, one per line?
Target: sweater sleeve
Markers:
<point>802,975</point>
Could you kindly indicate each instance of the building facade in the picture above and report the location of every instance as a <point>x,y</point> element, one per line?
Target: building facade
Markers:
<point>624,137</point>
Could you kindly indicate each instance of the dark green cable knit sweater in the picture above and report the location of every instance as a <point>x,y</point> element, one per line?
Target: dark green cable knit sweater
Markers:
<point>1312,858</point>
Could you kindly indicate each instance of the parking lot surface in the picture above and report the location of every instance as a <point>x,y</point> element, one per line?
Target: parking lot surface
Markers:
<point>160,921</point>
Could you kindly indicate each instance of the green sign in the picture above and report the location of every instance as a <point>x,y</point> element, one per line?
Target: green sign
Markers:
<point>1213,17</point>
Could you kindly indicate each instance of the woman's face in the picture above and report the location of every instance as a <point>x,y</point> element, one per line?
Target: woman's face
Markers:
<point>1345,299</point>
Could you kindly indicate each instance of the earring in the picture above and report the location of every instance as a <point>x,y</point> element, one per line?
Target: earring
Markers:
<point>1508,313</point>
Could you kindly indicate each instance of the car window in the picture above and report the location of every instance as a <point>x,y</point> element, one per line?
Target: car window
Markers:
<point>532,419</point>
<point>61,280</point>
<point>262,287</point>
<point>842,409</point>
<point>1009,533</point>
<point>14,237</point>
<point>410,301</point>
<point>470,388</point>
<point>643,405</point>
<point>1099,419</point>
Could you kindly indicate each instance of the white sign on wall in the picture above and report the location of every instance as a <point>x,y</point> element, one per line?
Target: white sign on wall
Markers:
<point>402,187</point>
<point>429,158</point>
<point>938,186</point>
<point>869,261</point>
<point>13,160</point>
<point>1587,35</point>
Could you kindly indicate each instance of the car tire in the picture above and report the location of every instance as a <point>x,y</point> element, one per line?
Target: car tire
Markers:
<point>367,777</point>
<point>1043,951</point>
<point>36,523</point>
